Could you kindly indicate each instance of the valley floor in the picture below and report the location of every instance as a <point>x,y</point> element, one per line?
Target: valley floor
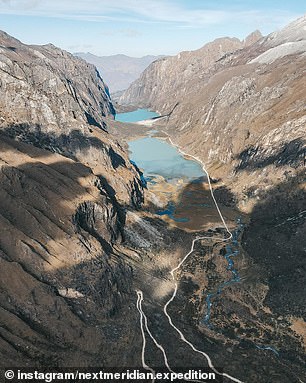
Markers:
<point>249,332</point>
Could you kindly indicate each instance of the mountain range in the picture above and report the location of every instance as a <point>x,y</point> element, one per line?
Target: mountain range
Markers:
<point>79,235</point>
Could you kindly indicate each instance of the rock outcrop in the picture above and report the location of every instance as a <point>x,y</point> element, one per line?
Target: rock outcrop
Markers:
<point>45,85</point>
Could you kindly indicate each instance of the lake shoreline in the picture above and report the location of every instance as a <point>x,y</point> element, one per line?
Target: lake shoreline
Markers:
<point>183,191</point>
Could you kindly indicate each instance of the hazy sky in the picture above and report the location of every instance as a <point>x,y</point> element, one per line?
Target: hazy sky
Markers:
<point>141,27</point>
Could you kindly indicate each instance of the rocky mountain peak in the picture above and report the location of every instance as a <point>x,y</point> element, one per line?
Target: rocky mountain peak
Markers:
<point>6,37</point>
<point>178,71</point>
<point>56,101</point>
<point>213,98</point>
<point>252,38</point>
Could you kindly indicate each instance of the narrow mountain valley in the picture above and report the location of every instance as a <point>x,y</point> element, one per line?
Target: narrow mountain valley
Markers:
<point>118,71</point>
<point>92,247</point>
<point>240,108</point>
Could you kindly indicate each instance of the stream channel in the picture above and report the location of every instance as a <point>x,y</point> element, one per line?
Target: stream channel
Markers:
<point>158,159</point>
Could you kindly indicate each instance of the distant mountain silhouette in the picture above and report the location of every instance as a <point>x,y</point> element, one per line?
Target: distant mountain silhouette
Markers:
<point>118,71</point>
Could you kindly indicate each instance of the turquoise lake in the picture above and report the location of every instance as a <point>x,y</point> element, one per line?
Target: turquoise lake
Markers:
<point>136,115</point>
<point>158,157</point>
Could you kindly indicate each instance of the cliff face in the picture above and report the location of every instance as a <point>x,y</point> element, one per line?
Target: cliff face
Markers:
<point>45,85</point>
<point>66,184</point>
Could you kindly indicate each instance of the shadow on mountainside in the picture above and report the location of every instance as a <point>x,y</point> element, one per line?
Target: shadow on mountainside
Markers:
<point>275,239</point>
<point>77,315</point>
<point>66,292</point>
<point>194,208</point>
<point>240,316</point>
<point>271,266</point>
<point>47,197</point>
<point>66,144</point>
<point>292,153</point>
<point>60,276</point>
<point>52,221</point>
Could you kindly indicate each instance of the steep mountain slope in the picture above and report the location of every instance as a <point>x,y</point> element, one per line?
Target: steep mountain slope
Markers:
<point>56,76</point>
<point>175,73</point>
<point>239,110</point>
<point>118,71</point>
<point>243,113</point>
<point>66,184</point>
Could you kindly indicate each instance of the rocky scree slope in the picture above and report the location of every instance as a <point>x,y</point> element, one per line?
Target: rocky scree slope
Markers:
<point>66,184</point>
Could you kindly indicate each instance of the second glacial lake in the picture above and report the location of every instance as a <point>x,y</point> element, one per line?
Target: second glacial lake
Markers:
<point>158,157</point>
<point>136,115</point>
